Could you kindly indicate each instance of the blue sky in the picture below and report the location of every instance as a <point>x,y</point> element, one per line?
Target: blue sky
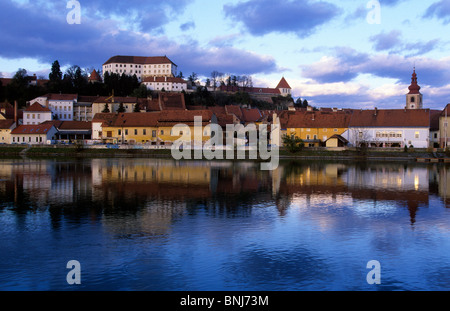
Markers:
<point>327,50</point>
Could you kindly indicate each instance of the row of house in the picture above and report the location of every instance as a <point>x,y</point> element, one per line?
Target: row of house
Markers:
<point>421,128</point>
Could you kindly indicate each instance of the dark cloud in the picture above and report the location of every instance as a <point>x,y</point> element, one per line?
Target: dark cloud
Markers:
<point>47,36</point>
<point>440,9</point>
<point>347,64</point>
<point>300,17</point>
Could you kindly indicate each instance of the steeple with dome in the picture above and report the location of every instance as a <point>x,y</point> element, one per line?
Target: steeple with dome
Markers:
<point>414,99</point>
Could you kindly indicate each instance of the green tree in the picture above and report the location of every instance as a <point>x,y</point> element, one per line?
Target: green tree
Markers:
<point>121,108</point>
<point>55,73</point>
<point>137,108</point>
<point>293,143</point>
<point>106,109</point>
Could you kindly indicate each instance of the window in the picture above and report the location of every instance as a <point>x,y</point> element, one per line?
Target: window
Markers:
<point>308,137</point>
<point>153,133</point>
<point>417,135</point>
<point>144,132</point>
<point>135,132</point>
<point>413,99</point>
<point>119,132</point>
<point>126,131</point>
<point>162,132</point>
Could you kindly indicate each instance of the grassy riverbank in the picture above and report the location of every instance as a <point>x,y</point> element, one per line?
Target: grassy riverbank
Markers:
<point>80,152</point>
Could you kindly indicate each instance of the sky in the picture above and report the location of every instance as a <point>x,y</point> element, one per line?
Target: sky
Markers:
<point>344,54</point>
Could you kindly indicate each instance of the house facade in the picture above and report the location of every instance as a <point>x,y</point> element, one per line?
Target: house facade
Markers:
<point>6,127</point>
<point>389,128</point>
<point>40,134</point>
<point>168,84</point>
<point>316,127</point>
<point>36,114</point>
<point>61,105</point>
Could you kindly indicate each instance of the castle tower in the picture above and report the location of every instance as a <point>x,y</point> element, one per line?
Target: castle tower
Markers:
<point>414,99</point>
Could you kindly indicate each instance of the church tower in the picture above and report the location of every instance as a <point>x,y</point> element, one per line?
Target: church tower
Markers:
<point>414,97</point>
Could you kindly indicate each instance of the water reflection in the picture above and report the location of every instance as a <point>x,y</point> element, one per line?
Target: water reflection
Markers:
<point>163,189</point>
<point>224,225</point>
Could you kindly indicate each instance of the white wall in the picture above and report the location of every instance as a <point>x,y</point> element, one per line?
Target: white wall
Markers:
<point>408,136</point>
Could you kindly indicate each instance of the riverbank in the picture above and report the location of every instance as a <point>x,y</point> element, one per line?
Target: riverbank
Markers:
<point>306,154</point>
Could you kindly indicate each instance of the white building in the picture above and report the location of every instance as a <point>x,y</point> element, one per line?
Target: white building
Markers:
<point>142,67</point>
<point>169,84</point>
<point>39,134</point>
<point>61,105</point>
<point>36,114</point>
<point>389,128</point>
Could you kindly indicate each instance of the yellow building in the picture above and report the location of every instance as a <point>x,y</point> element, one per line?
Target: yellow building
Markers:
<point>185,119</point>
<point>6,126</point>
<point>154,128</point>
<point>316,127</point>
<point>132,128</point>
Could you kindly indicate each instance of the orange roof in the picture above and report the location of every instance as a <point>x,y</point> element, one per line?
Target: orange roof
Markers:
<point>283,84</point>
<point>318,119</point>
<point>391,118</point>
<point>173,117</point>
<point>94,76</point>
<point>36,107</point>
<point>137,119</point>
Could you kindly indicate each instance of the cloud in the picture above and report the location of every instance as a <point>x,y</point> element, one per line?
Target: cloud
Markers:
<point>47,37</point>
<point>440,9</point>
<point>386,41</point>
<point>393,43</point>
<point>300,17</point>
<point>187,26</point>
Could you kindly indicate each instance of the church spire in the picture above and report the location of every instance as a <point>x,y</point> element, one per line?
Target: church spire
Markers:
<point>414,88</point>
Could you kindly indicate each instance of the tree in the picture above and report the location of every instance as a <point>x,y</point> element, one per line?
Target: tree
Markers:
<point>293,143</point>
<point>106,109</point>
<point>121,108</point>
<point>180,75</point>
<point>137,108</point>
<point>193,79</point>
<point>55,75</point>
<point>215,77</point>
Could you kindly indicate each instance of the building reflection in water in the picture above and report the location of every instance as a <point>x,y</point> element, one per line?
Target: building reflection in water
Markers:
<point>144,196</point>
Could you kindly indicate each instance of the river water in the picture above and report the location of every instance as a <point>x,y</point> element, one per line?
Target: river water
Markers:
<point>161,225</point>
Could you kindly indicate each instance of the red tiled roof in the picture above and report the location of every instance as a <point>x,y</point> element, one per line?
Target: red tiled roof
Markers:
<point>43,128</point>
<point>283,84</point>
<point>251,115</point>
<point>391,118</point>
<point>6,124</point>
<point>94,76</point>
<point>318,119</point>
<point>137,119</point>
<point>36,107</point>
<point>105,118</point>
<point>139,60</point>
<point>171,118</point>
<point>254,90</point>
<point>75,125</point>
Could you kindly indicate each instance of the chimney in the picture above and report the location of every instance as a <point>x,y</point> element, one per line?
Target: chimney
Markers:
<point>376,111</point>
<point>15,112</point>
